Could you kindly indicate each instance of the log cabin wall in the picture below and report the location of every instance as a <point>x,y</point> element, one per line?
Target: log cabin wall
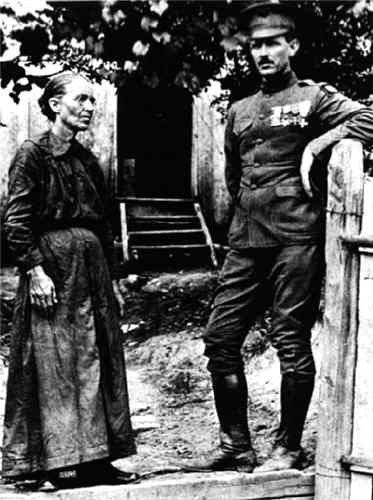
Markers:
<point>208,180</point>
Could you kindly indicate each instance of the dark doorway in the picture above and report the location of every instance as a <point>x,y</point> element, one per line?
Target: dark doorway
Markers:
<point>154,142</point>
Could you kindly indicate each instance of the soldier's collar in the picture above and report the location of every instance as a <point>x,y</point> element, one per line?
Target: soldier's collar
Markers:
<point>279,82</point>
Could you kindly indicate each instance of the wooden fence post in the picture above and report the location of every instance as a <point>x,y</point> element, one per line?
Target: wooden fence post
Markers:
<point>337,373</point>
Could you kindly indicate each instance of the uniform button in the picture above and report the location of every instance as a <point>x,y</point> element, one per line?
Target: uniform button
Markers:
<point>261,116</point>
<point>259,141</point>
<point>253,186</point>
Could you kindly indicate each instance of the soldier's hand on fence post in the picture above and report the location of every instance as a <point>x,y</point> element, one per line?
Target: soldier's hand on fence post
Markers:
<point>305,170</point>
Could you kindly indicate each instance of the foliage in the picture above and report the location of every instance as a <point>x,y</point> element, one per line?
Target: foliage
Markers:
<point>342,46</point>
<point>185,43</point>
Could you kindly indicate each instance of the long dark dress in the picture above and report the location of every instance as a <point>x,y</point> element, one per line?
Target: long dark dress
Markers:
<point>67,400</point>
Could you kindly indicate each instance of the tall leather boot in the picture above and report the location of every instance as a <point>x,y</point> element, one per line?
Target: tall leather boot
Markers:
<point>296,393</point>
<point>235,451</point>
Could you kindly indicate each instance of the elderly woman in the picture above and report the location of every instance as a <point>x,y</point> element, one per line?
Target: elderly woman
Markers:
<point>67,414</point>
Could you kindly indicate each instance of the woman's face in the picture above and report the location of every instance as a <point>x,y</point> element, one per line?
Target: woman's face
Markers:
<point>74,109</point>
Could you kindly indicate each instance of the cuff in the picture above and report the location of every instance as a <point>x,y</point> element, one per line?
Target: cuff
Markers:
<point>324,141</point>
<point>33,258</point>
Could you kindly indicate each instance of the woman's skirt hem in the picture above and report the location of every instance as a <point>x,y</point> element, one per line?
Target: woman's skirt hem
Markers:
<point>22,467</point>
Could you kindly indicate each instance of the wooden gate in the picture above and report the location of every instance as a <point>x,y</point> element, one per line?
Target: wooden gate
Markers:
<point>344,459</point>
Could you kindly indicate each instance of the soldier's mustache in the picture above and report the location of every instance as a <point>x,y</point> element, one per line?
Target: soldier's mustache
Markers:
<point>264,60</point>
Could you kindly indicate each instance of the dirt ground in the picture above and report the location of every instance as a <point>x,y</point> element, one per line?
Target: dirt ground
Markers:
<point>174,368</point>
<point>170,393</point>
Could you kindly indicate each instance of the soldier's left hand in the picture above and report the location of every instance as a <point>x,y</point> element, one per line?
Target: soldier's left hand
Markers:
<point>305,170</point>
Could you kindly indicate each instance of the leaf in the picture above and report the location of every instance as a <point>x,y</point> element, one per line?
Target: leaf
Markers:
<point>140,49</point>
<point>230,44</point>
<point>158,6</point>
<point>149,22</point>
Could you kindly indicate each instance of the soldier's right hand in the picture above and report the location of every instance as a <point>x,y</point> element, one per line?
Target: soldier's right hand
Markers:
<point>305,169</point>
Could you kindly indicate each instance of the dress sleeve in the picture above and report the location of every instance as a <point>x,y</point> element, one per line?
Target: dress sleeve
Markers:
<point>105,231</point>
<point>232,157</point>
<point>343,118</point>
<point>21,208</point>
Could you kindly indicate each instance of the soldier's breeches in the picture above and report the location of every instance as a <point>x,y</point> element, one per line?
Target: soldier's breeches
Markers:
<point>287,279</point>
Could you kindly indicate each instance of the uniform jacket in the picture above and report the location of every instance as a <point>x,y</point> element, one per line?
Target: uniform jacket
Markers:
<point>265,137</point>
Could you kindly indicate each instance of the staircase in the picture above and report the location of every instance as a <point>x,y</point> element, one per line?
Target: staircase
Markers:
<point>163,228</point>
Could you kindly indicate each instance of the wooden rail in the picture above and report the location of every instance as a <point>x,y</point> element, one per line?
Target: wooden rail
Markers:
<point>358,243</point>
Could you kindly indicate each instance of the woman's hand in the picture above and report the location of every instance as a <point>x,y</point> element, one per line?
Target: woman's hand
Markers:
<point>42,290</point>
<point>118,289</point>
<point>305,170</point>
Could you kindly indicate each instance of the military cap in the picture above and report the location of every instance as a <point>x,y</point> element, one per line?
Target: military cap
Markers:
<point>269,18</point>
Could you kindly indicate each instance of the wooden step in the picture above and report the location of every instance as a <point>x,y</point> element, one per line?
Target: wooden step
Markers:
<point>155,207</point>
<point>286,485</point>
<point>134,226</point>
<point>138,210</point>
<point>166,222</point>
<point>164,217</point>
<point>176,231</point>
<point>151,201</point>
<point>163,225</point>
<point>178,236</point>
<point>169,247</point>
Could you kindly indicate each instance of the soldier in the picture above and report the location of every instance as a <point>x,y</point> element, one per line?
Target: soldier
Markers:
<point>276,238</point>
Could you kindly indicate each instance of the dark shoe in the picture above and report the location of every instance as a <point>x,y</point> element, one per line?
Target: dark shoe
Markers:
<point>64,479</point>
<point>281,458</point>
<point>91,474</point>
<point>223,460</point>
<point>103,472</point>
<point>112,475</point>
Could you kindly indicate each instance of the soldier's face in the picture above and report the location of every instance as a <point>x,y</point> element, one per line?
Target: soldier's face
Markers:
<point>272,55</point>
